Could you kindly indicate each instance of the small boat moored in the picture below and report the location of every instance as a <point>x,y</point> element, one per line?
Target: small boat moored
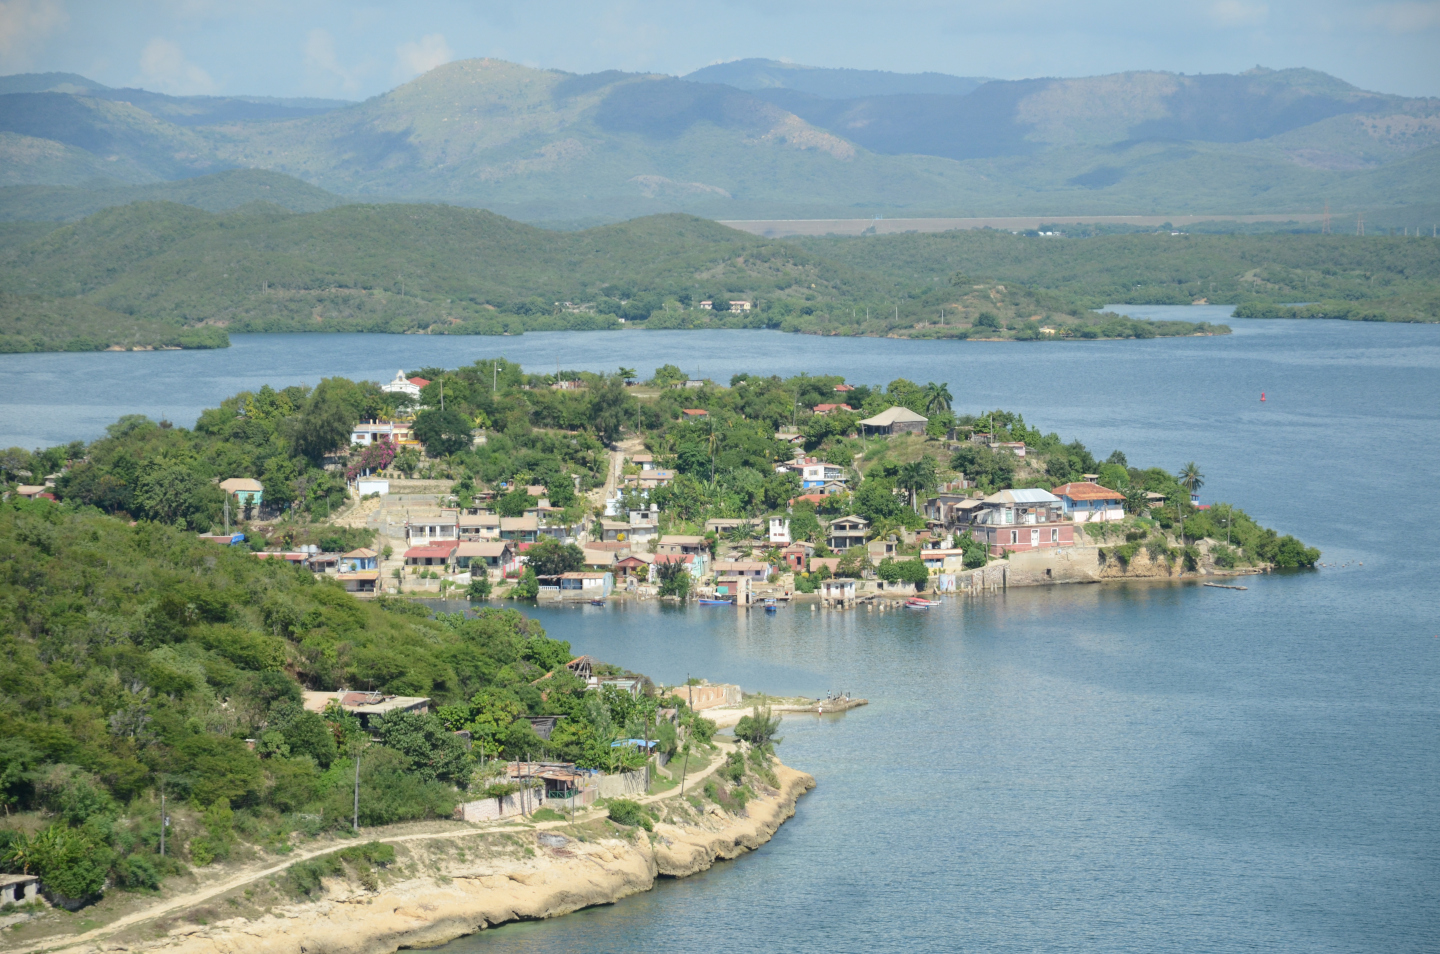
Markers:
<point>770,605</point>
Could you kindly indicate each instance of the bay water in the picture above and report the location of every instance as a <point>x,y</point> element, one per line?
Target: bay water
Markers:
<point>1125,767</point>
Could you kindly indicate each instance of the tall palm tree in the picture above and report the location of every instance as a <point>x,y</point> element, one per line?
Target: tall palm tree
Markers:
<point>916,476</point>
<point>937,397</point>
<point>1191,478</point>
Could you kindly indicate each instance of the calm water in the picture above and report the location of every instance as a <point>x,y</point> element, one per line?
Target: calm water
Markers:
<point>1117,768</point>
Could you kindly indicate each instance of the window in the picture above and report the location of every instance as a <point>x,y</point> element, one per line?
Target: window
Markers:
<point>1014,536</point>
<point>1055,536</point>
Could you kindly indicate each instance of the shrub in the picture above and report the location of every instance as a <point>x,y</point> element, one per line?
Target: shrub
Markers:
<point>623,811</point>
<point>306,877</point>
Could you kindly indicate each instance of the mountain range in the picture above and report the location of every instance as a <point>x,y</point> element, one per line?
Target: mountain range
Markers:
<point>751,139</point>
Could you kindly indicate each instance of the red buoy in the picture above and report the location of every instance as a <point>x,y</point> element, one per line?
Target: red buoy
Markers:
<point>1262,397</point>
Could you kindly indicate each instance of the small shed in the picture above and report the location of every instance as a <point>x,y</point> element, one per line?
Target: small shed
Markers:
<point>18,888</point>
<point>586,585</point>
<point>245,490</point>
<point>837,591</point>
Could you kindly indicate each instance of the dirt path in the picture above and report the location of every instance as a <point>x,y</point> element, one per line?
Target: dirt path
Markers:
<point>242,878</point>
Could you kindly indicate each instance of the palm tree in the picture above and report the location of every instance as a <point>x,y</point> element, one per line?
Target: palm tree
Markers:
<point>1134,498</point>
<point>916,476</point>
<point>627,375</point>
<point>937,397</point>
<point>1191,478</point>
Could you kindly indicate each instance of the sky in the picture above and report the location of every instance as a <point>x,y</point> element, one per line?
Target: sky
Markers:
<point>353,50</point>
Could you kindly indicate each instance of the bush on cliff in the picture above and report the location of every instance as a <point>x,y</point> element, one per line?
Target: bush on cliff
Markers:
<point>623,811</point>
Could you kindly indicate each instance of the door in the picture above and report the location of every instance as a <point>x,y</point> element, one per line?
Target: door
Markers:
<point>1034,538</point>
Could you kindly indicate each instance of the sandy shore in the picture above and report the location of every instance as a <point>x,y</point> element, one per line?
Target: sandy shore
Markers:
<point>444,888</point>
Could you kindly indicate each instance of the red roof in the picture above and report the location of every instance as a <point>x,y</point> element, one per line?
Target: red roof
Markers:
<point>442,550</point>
<point>630,561</point>
<point>827,408</point>
<point>419,382</point>
<point>1085,490</point>
<point>675,558</point>
<point>843,387</point>
<point>813,498</point>
<point>695,412</point>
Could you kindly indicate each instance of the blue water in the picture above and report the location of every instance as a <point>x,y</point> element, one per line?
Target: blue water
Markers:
<point>1100,768</point>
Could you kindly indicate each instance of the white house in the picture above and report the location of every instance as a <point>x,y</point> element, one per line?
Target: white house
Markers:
<point>1087,502</point>
<point>817,473</point>
<point>404,385</point>
<point>780,531</point>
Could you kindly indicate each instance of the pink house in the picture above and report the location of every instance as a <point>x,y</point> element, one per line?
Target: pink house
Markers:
<point>1023,520</point>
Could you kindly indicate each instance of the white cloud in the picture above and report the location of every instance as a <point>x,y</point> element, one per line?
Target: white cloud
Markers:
<point>322,62</point>
<point>163,67</point>
<point>421,56</point>
<point>1238,13</point>
<point>23,24</point>
<point>1406,17</point>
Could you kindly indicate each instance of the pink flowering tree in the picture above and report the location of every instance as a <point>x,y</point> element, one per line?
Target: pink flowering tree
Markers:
<point>375,457</point>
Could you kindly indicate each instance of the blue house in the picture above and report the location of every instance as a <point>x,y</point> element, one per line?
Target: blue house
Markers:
<point>357,560</point>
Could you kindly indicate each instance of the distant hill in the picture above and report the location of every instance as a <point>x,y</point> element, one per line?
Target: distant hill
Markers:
<point>776,141</point>
<point>218,192</point>
<point>758,74</point>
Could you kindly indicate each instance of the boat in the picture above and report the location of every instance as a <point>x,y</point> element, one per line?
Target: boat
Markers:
<point>917,603</point>
<point>705,602</point>
<point>597,602</point>
<point>770,605</point>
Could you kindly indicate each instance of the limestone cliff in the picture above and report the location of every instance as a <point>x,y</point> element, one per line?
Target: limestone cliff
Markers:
<point>442,889</point>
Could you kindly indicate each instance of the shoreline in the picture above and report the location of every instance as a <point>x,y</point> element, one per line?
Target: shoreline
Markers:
<point>446,885</point>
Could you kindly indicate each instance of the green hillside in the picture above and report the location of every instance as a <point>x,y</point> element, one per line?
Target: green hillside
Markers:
<point>219,192</point>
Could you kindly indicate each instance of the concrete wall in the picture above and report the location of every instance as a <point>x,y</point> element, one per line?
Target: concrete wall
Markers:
<point>1055,565</point>
<point>622,785</point>
<point>709,696</point>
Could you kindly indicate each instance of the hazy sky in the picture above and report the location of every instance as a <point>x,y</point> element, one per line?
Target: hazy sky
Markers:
<point>353,50</point>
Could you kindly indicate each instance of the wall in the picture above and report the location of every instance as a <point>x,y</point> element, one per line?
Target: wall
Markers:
<point>1053,565</point>
<point>709,696</point>
<point>623,784</point>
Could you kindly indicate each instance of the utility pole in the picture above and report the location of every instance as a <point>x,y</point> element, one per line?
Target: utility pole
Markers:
<point>163,820</point>
<point>227,512</point>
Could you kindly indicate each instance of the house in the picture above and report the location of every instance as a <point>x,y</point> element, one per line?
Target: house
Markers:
<point>878,550</point>
<point>739,306</point>
<point>894,420</point>
<point>844,388</point>
<point>742,570</point>
<point>729,525</point>
<point>644,524</point>
<point>493,557</point>
<point>524,529</point>
<point>586,585</point>
<point>18,888</point>
<point>673,543</point>
<point>479,526</point>
<point>694,563</point>
<point>940,559</point>
<point>404,385</point>
<point>597,558</point>
<point>779,531</point>
<point>361,559</point>
<point>951,510</point>
<point>374,432</point>
<point>818,473</point>
<point>847,532</point>
<point>432,528</point>
<point>831,564</point>
<point>650,479</point>
<point>246,490</point>
<point>224,539</point>
<point>359,581</point>
<point>31,491</point>
<point>691,413</point>
<point>643,461</point>
<point>363,705</point>
<point>1015,447</point>
<point>1023,520</point>
<point>1088,502</point>
<point>790,437</point>
<point>837,591</point>
<point>797,555</point>
<point>824,409</point>
<point>615,530</point>
<point>816,499</point>
<point>633,567</point>
<point>435,554</point>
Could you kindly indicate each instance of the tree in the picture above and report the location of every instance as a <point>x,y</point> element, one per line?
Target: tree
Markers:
<point>435,753</point>
<point>324,424</point>
<point>528,587</point>
<point>668,374</point>
<point>759,728</point>
<point>550,557</point>
<point>479,589</point>
<point>611,406</point>
<point>976,554</point>
<point>937,397</point>
<point>443,432</point>
<point>1191,478</point>
<point>628,375</point>
<point>915,477</point>
<point>674,579</point>
<point>514,503</point>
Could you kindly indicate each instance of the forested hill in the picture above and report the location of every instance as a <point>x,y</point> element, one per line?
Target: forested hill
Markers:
<point>446,270</point>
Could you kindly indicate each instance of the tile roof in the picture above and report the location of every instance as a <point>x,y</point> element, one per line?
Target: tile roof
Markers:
<point>1086,490</point>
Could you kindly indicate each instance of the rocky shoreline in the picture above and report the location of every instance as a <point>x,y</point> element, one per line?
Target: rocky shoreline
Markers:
<point>442,891</point>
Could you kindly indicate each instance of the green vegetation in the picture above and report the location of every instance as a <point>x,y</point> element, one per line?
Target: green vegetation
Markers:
<point>1352,277</point>
<point>304,877</point>
<point>623,811</point>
